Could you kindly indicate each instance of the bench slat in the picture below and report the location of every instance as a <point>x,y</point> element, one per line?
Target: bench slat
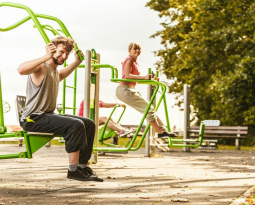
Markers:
<point>221,127</point>
<point>219,132</point>
<point>220,136</point>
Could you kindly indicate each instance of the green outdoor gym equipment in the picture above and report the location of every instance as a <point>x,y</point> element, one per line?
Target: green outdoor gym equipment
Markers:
<point>33,141</point>
<point>107,133</point>
<point>196,143</point>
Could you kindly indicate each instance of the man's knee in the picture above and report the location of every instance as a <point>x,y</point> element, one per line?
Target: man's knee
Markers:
<point>91,123</point>
<point>87,121</point>
<point>78,124</point>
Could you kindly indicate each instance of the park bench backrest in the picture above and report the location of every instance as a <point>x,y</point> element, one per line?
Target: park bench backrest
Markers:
<point>222,131</point>
<point>20,102</point>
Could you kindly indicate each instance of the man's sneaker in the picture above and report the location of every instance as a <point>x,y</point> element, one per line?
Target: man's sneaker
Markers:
<point>79,175</point>
<point>124,133</point>
<point>89,171</point>
<point>167,134</point>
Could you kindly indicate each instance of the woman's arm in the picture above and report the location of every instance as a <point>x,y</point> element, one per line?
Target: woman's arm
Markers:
<point>110,105</point>
<point>128,70</point>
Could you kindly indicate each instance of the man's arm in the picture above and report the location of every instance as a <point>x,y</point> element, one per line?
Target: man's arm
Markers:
<point>64,73</point>
<point>34,65</point>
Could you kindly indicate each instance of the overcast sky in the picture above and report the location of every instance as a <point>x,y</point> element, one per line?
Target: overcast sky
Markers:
<point>108,26</point>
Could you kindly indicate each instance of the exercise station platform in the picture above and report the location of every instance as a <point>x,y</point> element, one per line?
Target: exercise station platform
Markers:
<point>174,177</point>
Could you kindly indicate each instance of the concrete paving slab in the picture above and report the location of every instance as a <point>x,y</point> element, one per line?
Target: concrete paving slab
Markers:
<point>175,177</point>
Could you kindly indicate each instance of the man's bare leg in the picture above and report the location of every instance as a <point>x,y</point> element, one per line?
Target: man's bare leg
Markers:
<point>74,158</point>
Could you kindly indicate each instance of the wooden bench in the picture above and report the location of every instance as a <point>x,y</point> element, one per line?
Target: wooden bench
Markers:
<point>215,131</point>
<point>236,132</point>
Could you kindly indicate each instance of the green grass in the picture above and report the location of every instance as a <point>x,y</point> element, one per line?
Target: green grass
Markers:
<point>232,147</point>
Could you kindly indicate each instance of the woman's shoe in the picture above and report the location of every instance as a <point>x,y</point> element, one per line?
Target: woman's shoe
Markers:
<point>167,134</point>
<point>124,133</point>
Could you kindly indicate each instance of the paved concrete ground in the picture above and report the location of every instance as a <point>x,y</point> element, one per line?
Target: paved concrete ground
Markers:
<point>199,177</point>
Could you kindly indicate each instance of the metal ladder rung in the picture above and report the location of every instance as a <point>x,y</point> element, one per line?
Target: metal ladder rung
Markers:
<point>70,86</point>
<point>81,66</point>
<point>70,108</point>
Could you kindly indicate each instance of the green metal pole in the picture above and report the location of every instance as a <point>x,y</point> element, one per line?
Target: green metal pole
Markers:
<point>37,23</point>
<point>8,135</point>
<point>64,94</point>
<point>32,16</point>
<point>92,99</point>
<point>28,146</point>
<point>63,27</point>
<point>163,87</point>
<point>95,66</point>
<point>50,28</point>
<point>16,24</point>
<point>124,109</point>
<point>1,110</point>
<point>74,91</point>
<point>149,132</point>
<point>9,156</point>
<point>106,123</point>
<point>156,108</point>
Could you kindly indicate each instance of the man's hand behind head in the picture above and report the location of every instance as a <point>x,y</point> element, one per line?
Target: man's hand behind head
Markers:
<point>50,49</point>
<point>77,58</point>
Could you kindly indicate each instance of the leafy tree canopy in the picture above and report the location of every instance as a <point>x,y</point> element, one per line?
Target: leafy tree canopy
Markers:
<point>210,45</point>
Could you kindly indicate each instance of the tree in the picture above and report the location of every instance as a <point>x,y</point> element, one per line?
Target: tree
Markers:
<point>210,45</point>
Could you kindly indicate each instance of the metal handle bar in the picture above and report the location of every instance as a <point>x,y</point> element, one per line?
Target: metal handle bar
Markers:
<point>31,15</point>
<point>50,28</point>
<point>34,16</point>
<point>114,70</point>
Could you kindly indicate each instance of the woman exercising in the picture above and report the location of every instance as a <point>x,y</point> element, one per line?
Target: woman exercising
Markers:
<point>127,93</point>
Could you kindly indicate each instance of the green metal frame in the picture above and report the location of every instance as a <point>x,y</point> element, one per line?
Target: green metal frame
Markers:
<point>115,74</point>
<point>162,97</point>
<point>34,17</point>
<point>50,28</point>
<point>74,87</point>
<point>198,141</point>
<point>105,132</point>
<point>33,141</point>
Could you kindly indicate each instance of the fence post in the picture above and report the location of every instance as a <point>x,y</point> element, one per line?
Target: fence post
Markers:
<point>238,142</point>
<point>147,139</point>
<point>86,111</point>
<point>186,115</point>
